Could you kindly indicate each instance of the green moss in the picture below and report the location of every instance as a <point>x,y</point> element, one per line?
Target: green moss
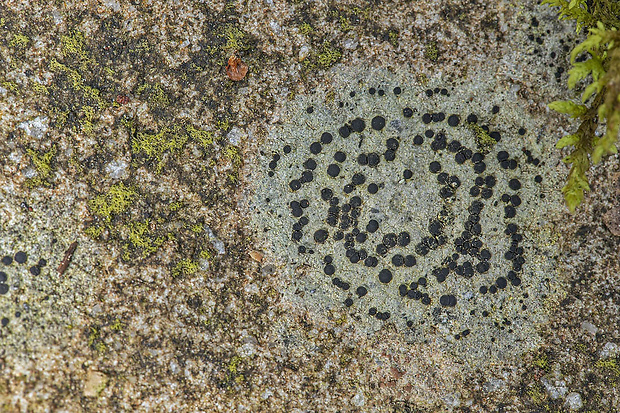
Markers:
<point>154,94</point>
<point>74,45</point>
<point>159,99</point>
<point>431,52</point>
<point>19,41</point>
<point>95,340</point>
<point>94,231</point>
<point>39,88</point>
<point>43,165</point>
<point>345,24</point>
<point>77,83</point>
<point>601,73</point>
<point>484,141</point>
<point>204,138</point>
<point>141,238</point>
<point>185,267</point>
<point>12,86</point>
<point>235,39</point>
<point>325,58</point>
<point>537,395</point>
<point>87,119</point>
<point>116,325</point>
<point>155,146</point>
<point>306,29</point>
<point>175,206</point>
<point>393,37</point>
<point>610,365</point>
<point>116,201</point>
<point>542,362</point>
<point>234,363</point>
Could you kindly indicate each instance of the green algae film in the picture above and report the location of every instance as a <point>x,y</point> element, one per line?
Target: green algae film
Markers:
<point>414,205</point>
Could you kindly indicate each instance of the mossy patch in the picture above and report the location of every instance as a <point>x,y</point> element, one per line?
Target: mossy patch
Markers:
<point>484,141</point>
<point>431,52</point>
<point>185,267</point>
<point>154,146</point>
<point>327,56</point>
<point>116,201</point>
<point>19,41</point>
<point>42,162</point>
<point>141,238</point>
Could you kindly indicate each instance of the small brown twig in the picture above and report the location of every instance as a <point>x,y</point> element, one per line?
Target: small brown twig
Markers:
<point>67,259</point>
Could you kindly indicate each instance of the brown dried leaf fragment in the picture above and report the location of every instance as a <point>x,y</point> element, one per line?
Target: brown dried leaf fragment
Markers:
<point>256,256</point>
<point>67,259</point>
<point>236,69</point>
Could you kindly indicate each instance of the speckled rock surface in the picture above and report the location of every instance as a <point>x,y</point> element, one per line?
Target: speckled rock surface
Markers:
<point>120,130</point>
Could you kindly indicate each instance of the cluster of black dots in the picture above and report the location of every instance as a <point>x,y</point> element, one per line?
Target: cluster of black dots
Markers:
<point>19,258</point>
<point>343,205</point>
<point>555,56</point>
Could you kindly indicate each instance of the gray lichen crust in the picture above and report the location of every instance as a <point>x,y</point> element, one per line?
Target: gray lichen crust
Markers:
<point>428,206</point>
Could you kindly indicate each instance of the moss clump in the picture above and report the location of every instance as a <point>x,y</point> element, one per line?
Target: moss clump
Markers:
<point>78,84</point>
<point>154,94</point>
<point>537,395</point>
<point>542,362</point>
<point>73,45</point>
<point>325,58</point>
<point>306,29</point>
<point>43,165</point>
<point>117,325</point>
<point>393,37</point>
<point>235,39</point>
<point>431,52</point>
<point>19,41</point>
<point>600,98</point>
<point>184,267</point>
<point>611,368</point>
<point>140,238</point>
<point>116,201</point>
<point>154,146</point>
<point>12,86</point>
<point>484,141</point>
<point>204,138</point>
<point>39,88</point>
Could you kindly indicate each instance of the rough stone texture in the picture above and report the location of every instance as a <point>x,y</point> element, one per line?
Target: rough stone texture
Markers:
<point>120,129</point>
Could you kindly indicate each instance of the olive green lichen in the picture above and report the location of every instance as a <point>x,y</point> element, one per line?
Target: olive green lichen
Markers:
<point>204,138</point>
<point>140,237</point>
<point>154,94</point>
<point>602,72</point>
<point>42,162</point>
<point>484,141</point>
<point>155,145</point>
<point>19,41</point>
<point>73,45</point>
<point>431,52</point>
<point>78,83</point>
<point>116,201</point>
<point>184,267</point>
<point>325,58</point>
<point>235,39</point>
<point>306,29</point>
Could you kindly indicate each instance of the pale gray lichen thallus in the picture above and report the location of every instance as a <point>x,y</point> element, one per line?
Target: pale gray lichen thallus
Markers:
<point>406,205</point>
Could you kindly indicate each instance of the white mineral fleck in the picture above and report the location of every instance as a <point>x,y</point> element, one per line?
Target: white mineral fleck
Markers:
<point>555,388</point>
<point>589,327</point>
<point>609,350</point>
<point>35,127</point>
<point>117,169</point>
<point>234,136</point>
<point>574,401</point>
